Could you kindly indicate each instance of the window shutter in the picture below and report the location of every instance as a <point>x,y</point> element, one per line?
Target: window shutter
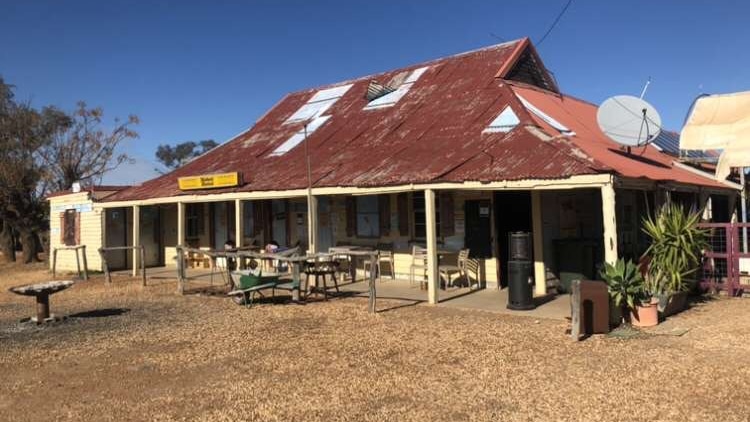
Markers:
<point>384,213</point>
<point>402,202</point>
<point>78,228</point>
<point>351,216</point>
<point>447,217</point>
<point>62,228</point>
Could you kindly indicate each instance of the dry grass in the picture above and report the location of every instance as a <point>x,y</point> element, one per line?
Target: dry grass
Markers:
<point>156,355</point>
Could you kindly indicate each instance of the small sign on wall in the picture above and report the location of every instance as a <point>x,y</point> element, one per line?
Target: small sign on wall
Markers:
<point>78,207</point>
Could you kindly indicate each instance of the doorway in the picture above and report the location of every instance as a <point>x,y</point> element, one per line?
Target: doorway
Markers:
<point>478,229</point>
<point>221,217</point>
<point>512,214</point>
<point>116,233</point>
<point>151,236</point>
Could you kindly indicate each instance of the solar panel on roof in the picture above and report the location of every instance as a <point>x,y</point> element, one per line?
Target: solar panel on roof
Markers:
<point>669,143</point>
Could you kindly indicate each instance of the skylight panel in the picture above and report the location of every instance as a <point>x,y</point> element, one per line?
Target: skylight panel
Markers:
<point>544,116</point>
<point>298,137</point>
<point>504,122</point>
<point>319,103</point>
<point>311,110</point>
<point>330,93</point>
<point>392,98</point>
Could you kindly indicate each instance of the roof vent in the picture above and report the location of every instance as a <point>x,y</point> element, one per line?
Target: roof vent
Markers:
<point>394,96</point>
<point>376,90</point>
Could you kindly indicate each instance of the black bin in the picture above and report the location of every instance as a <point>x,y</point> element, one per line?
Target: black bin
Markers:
<point>521,285</point>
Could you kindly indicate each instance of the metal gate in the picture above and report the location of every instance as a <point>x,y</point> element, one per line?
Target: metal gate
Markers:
<point>721,264</point>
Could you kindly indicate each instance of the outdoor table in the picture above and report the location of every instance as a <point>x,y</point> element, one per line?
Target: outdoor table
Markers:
<point>353,258</point>
<point>42,292</point>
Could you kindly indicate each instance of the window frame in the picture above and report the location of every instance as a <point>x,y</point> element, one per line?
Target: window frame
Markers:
<point>374,215</point>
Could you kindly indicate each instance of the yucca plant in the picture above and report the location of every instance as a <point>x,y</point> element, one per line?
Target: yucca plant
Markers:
<point>676,245</point>
<point>624,282</point>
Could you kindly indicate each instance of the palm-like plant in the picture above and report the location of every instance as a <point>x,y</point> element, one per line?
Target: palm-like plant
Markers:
<point>676,245</point>
<point>624,281</point>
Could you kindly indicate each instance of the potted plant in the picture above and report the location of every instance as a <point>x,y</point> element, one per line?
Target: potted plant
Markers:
<point>646,310</point>
<point>625,285</point>
<point>674,253</point>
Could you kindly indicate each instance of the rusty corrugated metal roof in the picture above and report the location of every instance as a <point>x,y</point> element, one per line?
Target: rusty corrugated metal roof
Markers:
<point>434,133</point>
<point>580,116</point>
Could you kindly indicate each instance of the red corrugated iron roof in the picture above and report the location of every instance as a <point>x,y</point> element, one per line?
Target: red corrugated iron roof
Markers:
<point>434,133</point>
<point>580,116</point>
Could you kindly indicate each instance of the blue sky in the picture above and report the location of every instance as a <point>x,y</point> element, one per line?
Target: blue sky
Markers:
<point>195,70</point>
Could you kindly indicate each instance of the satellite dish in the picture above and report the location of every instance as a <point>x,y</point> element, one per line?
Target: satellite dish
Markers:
<point>629,120</point>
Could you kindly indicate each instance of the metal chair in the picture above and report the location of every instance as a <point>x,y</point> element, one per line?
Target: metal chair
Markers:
<point>385,254</point>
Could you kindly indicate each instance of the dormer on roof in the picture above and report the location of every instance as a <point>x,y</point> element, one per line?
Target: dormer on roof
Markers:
<point>526,66</point>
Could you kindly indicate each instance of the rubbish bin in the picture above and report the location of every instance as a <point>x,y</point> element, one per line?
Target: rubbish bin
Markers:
<point>521,285</point>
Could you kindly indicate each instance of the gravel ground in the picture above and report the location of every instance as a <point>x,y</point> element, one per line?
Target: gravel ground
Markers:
<point>133,353</point>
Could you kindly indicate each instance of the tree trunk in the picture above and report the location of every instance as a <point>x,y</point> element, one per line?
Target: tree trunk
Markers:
<point>30,246</point>
<point>7,244</point>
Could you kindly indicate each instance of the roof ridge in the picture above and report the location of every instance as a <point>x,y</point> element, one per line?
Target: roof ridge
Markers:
<point>410,66</point>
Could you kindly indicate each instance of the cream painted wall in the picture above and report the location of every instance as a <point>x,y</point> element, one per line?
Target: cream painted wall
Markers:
<point>90,230</point>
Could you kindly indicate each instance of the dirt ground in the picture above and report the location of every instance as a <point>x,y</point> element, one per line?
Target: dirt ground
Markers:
<point>132,353</point>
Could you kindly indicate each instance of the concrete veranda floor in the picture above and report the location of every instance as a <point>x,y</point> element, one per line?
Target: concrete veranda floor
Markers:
<point>487,299</point>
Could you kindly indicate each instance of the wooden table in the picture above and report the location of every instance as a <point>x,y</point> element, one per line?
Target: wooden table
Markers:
<point>353,258</point>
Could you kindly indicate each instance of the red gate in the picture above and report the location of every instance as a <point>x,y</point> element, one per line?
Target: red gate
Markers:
<point>721,263</point>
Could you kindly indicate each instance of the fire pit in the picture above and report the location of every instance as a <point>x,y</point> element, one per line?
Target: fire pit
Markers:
<point>42,291</point>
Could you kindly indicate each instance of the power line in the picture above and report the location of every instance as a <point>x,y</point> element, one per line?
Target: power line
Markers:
<point>557,19</point>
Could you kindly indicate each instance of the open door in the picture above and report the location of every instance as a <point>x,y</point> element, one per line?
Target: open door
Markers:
<point>512,214</point>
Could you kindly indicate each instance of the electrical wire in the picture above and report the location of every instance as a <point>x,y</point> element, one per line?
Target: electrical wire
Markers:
<point>557,19</point>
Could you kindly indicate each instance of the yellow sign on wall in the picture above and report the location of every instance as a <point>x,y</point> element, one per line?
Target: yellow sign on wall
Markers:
<point>209,181</point>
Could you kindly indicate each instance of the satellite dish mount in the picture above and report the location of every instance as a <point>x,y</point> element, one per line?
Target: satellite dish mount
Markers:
<point>623,119</point>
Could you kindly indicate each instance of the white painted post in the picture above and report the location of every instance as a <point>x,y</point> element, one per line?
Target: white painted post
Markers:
<point>239,222</point>
<point>180,224</point>
<point>312,223</point>
<point>433,277</point>
<point>136,237</point>
<point>540,272</point>
<point>705,202</point>
<point>610,223</point>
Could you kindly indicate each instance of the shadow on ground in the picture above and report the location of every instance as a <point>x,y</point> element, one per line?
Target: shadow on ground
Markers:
<point>100,313</point>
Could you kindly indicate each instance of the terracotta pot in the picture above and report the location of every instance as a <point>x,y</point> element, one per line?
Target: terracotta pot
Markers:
<point>645,315</point>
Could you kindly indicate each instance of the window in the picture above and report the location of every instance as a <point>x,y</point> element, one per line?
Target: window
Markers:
<point>194,220</point>
<point>420,216</point>
<point>248,225</point>
<point>393,97</point>
<point>69,230</point>
<point>368,216</point>
<point>504,122</point>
